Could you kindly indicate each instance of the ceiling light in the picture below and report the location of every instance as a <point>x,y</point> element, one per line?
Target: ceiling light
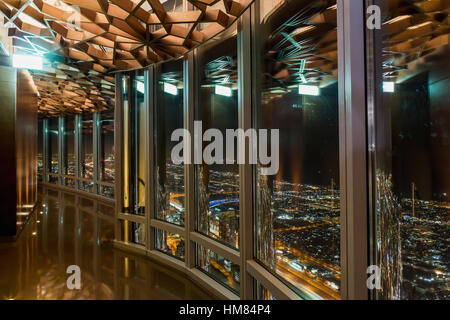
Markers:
<point>308,90</point>
<point>224,91</point>
<point>388,86</point>
<point>170,89</point>
<point>140,87</point>
<point>27,62</point>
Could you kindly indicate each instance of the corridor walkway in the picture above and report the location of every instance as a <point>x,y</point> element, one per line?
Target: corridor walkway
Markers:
<point>70,230</point>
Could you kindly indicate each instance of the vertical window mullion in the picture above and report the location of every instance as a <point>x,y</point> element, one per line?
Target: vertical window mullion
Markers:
<point>96,149</point>
<point>149,84</point>
<point>189,104</point>
<point>45,148</point>
<point>60,149</point>
<point>245,170</point>
<point>77,150</point>
<point>374,76</point>
<point>353,146</point>
<point>118,143</point>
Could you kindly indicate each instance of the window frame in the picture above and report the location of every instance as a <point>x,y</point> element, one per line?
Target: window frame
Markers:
<point>353,166</point>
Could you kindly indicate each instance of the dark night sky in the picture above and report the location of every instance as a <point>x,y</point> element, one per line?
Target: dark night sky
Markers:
<point>309,135</point>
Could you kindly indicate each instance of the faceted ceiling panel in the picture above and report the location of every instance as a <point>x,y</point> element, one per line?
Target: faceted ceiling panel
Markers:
<point>64,89</point>
<point>84,40</point>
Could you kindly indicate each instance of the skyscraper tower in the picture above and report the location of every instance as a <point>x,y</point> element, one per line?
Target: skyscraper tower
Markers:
<point>413,200</point>
<point>332,191</point>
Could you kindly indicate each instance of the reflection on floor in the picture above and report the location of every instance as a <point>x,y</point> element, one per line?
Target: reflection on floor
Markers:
<point>61,234</point>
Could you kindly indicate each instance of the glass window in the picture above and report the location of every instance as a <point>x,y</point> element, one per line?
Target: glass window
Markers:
<point>134,147</point>
<point>87,150</point>
<point>106,152</point>
<point>262,293</point>
<point>107,146</point>
<point>133,232</point>
<point>222,270</point>
<point>169,243</point>
<point>169,117</point>
<point>139,152</point>
<point>412,158</point>
<point>70,182</point>
<point>217,185</point>
<point>69,161</point>
<point>127,207</point>
<point>107,191</point>
<point>53,135</point>
<point>40,155</point>
<point>298,209</point>
<point>88,186</point>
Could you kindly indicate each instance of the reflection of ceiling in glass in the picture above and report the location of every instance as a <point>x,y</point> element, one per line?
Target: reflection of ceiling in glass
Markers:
<point>84,40</point>
<point>171,77</point>
<point>413,31</point>
<point>87,123</point>
<point>301,49</point>
<point>175,78</point>
<point>222,70</point>
<point>107,121</point>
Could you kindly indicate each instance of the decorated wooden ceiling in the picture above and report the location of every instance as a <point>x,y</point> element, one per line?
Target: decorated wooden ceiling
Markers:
<point>413,31</point>
<point>83,41</point>
<point>301,49</point>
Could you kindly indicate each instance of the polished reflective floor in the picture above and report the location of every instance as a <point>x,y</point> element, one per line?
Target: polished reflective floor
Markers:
<point>70,230</point>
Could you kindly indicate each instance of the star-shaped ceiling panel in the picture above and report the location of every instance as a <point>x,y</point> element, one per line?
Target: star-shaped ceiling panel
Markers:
<point>116,34</point>
<point>83,40</point>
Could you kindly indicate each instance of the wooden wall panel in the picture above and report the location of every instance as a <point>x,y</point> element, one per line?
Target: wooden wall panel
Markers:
<point>7,151</point>
<point>18,147</point>
<point>26,140</point>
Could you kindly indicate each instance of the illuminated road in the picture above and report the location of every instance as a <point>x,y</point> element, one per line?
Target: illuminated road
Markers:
<point>316,288</point>
<point>303,280</point>
<point>304,257</point>
<point>224,184</point>
<point>300,228</point>
<point>314,225</point>
<point>222,271</point>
